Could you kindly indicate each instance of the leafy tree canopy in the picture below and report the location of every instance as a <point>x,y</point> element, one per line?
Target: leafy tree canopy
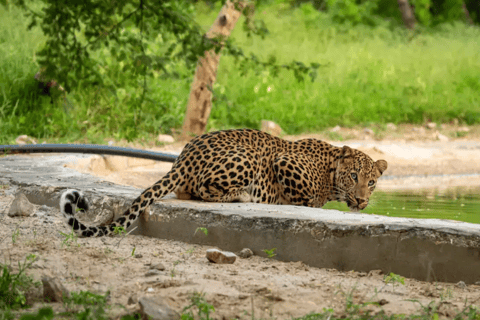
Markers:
<point>87,39</point>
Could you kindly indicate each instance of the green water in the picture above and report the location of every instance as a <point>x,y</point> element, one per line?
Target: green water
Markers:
<point>462,204</point>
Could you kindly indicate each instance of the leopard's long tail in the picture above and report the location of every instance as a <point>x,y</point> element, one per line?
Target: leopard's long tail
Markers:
<point>74,200</point>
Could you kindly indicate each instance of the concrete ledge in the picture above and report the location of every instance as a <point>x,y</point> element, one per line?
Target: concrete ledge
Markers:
<point>425,249</point>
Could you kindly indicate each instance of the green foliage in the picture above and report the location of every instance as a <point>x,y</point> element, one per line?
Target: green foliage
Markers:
<point>422,11</point>
<point>270,252</point>
<point>69,238</point>
<point>202,229</point>
<point>45,313</point>
<point>394,279</point>
<point>77,36</point>
<point>92,306</point>
<point>352,11</point>
<point>14,286</point>
<point>119,230</point>
<point>202,307</point>
<point>366,75</point>
<point>15,235</point>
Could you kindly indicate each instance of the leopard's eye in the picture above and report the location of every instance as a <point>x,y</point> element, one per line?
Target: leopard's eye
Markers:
<point>354,176</point>
<point>371,183</point>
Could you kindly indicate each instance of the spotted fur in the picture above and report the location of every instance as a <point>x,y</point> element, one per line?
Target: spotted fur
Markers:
<point>251,166</point>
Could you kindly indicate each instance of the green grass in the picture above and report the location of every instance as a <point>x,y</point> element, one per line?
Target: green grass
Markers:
<point>368,75</point>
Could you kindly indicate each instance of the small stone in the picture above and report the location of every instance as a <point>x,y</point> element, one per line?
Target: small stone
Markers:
<point>271,127</point>
<point>132,300</point>
<point>53,290</point>
<point>375,273</point>
<point>155,308</point>
<point>221,257</point>
<point>463,129</point>
<point>477,283</point>
<point>336,128</point>
<point>441,137</point>
<point>151,273</point>
<point>24,139</point>
<point>165,138</point>
<point>431,125</point>
<point>21,206</point>
<point>420,130</point>
<point>245,253</point>
<point>368,131</point>
<point>382,302</point>
<point>138,255</point>
<point>461,285</point>
<point>391,126</point>
<point>158,266</point>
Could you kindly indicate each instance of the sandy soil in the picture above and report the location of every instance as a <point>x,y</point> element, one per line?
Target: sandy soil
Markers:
<point>260,286</point>
<point>255,287</point>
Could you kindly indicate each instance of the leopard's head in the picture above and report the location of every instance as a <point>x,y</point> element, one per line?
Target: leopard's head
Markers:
<point>356,177</point>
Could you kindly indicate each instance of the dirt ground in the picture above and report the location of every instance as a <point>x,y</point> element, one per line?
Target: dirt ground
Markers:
<point>251,288</point>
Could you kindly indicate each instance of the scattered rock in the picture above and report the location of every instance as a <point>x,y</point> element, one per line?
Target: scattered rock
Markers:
<point>21,206</point>
<point>221,257</point>
<point>158,266</point>
<point>336,129</point>
<point>382,302</point>
<point>461,285</point>
<point>368,131</point>
<point>375,273</point>
<point>299,265</point>
<point>165,138</point>
<point>431,125</point>
<point>420,130</point>
<point>441,137</point>
<point>132,300</point>
<point>391,126</point>
<point>271,127</point>
<point>24,139</point>
<point>53,290</point>
<point>463,129</point>
<point>156,308</point>
<point>152,272</point>
<point>245,253</point>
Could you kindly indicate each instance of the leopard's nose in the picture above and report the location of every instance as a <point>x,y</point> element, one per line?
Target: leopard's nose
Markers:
<point>360,200</point>
<point>362,203</point>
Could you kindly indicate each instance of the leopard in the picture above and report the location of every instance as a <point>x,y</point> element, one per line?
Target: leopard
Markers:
<point>246,165</point>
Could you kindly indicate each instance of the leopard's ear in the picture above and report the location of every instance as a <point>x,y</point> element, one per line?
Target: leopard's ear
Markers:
<point>381,165</point>
<point>347,152</point>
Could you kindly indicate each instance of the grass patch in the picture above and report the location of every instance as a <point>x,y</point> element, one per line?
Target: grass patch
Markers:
<point>369,75</point>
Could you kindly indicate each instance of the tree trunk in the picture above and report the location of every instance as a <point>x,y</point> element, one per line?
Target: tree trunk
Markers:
<point>467,14</point>
<point>200,100</point>
<point>407,14</point>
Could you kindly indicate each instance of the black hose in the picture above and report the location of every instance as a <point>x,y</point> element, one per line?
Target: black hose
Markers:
<point>87,148</point>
